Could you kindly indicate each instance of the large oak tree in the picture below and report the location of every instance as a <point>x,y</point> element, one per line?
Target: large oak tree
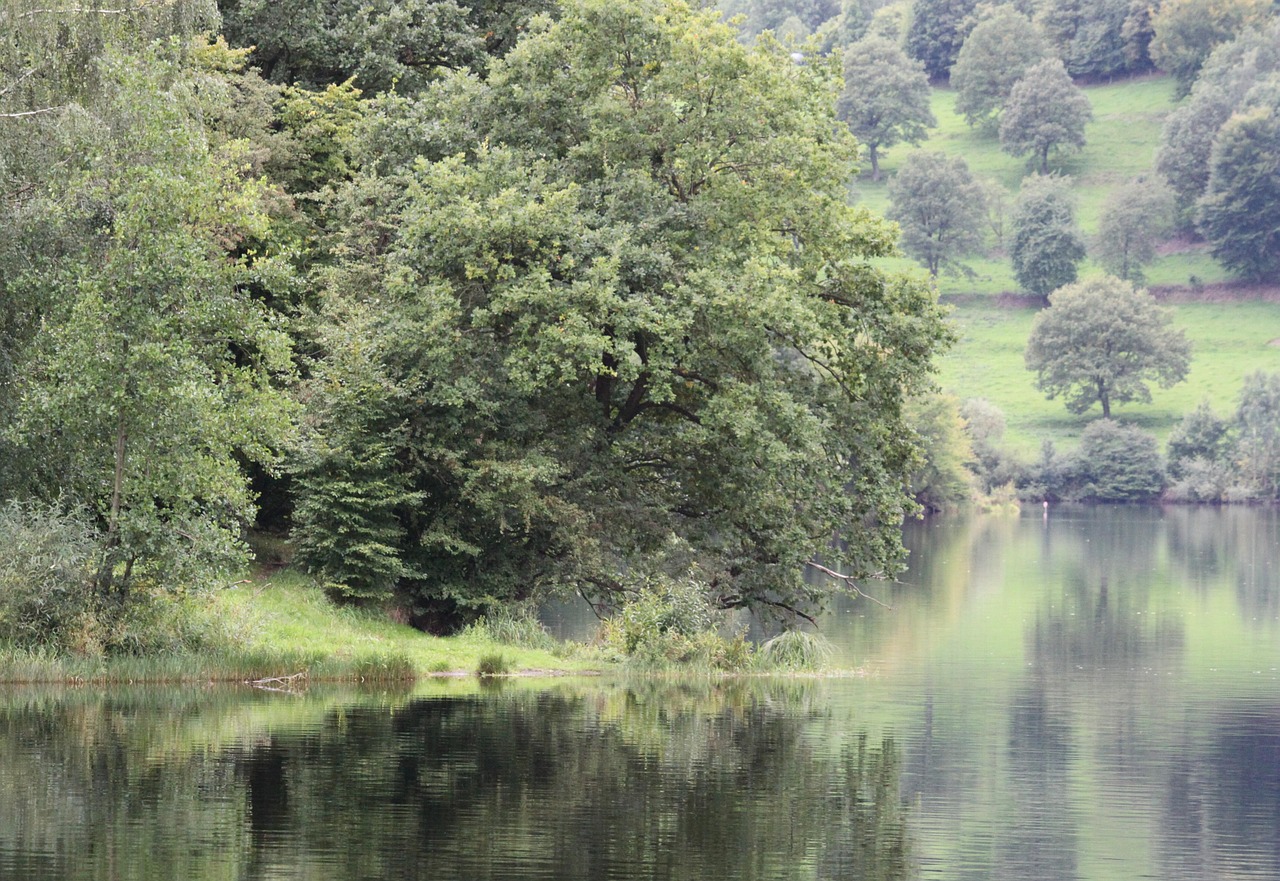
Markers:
<point>612,319</point>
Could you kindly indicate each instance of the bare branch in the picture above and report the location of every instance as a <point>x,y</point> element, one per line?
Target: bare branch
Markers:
<point>29,113</point>
<point>848,582</point>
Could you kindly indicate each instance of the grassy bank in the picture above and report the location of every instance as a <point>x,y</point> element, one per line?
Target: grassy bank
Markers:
<point>1229,340</point>
<point>283,627</point>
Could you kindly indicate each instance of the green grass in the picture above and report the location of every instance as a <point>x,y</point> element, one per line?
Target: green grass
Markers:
<point>1229,340</point>
<point>282,625</point>
<point>1121,143</point>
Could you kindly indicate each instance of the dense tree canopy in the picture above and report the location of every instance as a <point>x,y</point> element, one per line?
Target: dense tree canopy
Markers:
<point>1186,31</point>
<point>143,375</point>
<point>1102,342</point>
<point>611,318</point>
<point>885,99</point>
<point>1240,211</point>
<point>1226,80</point>
<point>1097,38</point>
<point>998,52</point>
<point>381,43</point>
<point>937,31</point>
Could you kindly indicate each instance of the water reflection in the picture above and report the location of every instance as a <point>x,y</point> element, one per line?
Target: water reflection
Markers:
<point>1092,697</point>
<point>693,781</point>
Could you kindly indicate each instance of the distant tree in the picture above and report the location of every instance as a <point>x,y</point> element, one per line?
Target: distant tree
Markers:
<point>998,52</point>
<point>1184,32</point>
<point>941,480</point>
<point>1118,463</point>
<point>1257,426</point>
<point>1101,342</point>
<point>1137,35</point>
<point>1089,36</point>
<point>891,21</point>
<point>1046,246</point>
<point>885,99</point>
<point>1045,111</point>
<point>1201,434</point>
<point>1225,81</point>
<point>939,207</point>
<point>1240,211</point>
<point>937,31</point>
<point>1134,218</point>
<point>995,204</point>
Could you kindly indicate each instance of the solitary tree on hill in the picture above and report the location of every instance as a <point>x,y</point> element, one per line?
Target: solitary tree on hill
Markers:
<point>1046,245</point>
<point>1102,342</point>
<point>885,98</point>
<point>939,207</point>
<point>1045,112</point>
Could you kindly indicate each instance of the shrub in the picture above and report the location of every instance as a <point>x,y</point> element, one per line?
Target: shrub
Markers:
<point>672,622</point>
<point>46,575</point>
<point>1119,463</point>
<point>797,650</point>
<point>493,664</point>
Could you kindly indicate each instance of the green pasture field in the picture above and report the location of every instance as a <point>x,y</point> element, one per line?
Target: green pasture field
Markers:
<point>1229,341</point>
<point>1122,143</point>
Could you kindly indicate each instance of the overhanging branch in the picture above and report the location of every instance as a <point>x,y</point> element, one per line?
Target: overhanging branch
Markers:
<point>848,582</point>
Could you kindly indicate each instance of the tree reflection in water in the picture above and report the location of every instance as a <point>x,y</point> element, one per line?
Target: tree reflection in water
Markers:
<point>670,781</point>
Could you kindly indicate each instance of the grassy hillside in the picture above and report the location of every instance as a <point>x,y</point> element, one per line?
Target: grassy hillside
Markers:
<point>1229,340</point>
<point>1122,143</point>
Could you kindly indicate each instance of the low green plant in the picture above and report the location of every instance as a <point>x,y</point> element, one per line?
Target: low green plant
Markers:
<point>390,666</point>
<point>670,622</point>
<point>518,625</point>
<point>492,664</point>
<point>797,650</point>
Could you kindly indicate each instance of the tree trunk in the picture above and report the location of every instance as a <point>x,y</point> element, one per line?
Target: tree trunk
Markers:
<point>1104,399</point>
<point>874,155</point>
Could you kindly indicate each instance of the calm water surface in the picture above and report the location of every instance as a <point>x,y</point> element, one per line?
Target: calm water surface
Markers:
<point>1094,696</point>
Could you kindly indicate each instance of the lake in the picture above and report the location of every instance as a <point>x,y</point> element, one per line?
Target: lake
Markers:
<point>1094,694</point>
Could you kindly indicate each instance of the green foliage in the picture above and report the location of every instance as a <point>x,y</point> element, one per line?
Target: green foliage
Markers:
<point>493,664</point>
<point>1091,35</point>
<point>1228,76</point>
<point>1136,216</point>
<point>937,31</point>
<point>1101,342</point>
<point>1240,211</point>
<point>382,44</point>
<point>1045,111</point>
<point>998,52</point>
<point>46,574</point>
<point>671,621</point>
<point>941,481</point>
<point>885,99</point>
<point>568,315</point>
<point>797,650</point>
<point>1257,427</point>
<point>1200,435</point>
<point>517,625</point>
<point>1118,463</point>
<point>939,207</point>
<point>1046,245</point>
<point>1186,31</point>
<point>150,376</point>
